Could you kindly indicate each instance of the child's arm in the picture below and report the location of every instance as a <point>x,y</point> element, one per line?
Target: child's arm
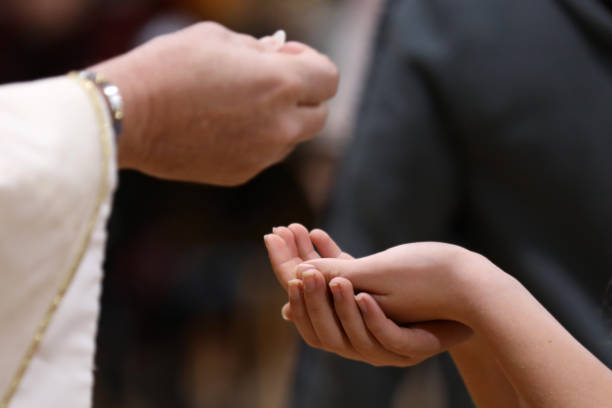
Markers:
<point>483,376</point>
<point>545,365</point>
<point>479,369</point>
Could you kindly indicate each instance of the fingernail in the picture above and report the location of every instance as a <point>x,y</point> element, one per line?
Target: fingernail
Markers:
<point>309,280</point>
<point>294,290</point>
<point>274,229</point>
<point>284,313</point>
<point>301,268</point>
<point>336,290</point>
<point>362,304</point>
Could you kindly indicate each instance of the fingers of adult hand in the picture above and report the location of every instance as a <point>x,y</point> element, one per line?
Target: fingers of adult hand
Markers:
<point>293,47</point>
<point>282,259</point>
<point>318,76</point>
<point>419,341</point>
<point>311,121</point>
<point>252,42</point>
<point>269,43</point>
<point>326,245</point>
<point>321,314</point>
<point>304,246</point>
<point>299,314</point>
<point>274,42</point>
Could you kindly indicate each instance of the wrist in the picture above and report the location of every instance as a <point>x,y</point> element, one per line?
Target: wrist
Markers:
<point>123,71</point>
<point>482,286</point>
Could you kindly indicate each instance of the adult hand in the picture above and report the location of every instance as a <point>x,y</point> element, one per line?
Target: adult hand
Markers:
<point>206,104</point>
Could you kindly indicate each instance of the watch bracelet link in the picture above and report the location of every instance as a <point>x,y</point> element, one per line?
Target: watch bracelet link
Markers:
<point>111,94</point>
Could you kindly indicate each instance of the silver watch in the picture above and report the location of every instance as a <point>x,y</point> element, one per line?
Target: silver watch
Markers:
<point>111,95</point>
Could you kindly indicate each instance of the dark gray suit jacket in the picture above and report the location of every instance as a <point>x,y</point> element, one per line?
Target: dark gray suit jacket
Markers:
<point>486,123</point>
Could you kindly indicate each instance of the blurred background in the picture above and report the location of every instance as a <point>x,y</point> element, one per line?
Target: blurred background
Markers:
<point>191,309</point>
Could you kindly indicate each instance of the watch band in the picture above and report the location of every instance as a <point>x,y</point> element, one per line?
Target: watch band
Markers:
<point>111,95</point>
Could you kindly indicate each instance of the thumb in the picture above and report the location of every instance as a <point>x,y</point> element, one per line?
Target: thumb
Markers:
<point>355,270</point>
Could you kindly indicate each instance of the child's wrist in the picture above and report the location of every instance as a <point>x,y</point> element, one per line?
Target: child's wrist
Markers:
<point>481,285</point>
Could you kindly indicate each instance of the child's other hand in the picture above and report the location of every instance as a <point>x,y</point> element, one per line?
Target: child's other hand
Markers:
<point>367,334</point>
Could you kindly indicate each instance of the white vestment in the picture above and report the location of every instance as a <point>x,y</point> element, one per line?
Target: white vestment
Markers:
<point>57,177</point>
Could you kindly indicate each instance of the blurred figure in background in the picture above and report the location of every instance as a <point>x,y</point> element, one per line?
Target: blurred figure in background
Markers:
<point>486,124</point>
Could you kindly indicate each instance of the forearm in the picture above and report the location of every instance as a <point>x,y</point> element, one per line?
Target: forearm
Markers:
<point>543,362</point>
<point>482,375</point>
<point>424,282</point>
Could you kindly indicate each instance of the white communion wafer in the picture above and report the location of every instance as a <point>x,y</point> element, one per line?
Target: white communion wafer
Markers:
<point>280,36</point>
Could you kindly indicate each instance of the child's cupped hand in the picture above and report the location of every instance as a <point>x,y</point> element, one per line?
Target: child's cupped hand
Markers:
<point>358,317</point>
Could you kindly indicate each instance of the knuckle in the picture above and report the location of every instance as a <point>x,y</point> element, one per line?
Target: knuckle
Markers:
<point>289,129</point>
<point>212,28</point>
<point>345,255</point>
<point>333,73</point>
<point>290,86</point>
<point>279,87</point>
<point>336,272</point>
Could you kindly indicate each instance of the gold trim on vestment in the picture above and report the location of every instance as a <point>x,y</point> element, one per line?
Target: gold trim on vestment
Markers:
<point>105,136</point>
